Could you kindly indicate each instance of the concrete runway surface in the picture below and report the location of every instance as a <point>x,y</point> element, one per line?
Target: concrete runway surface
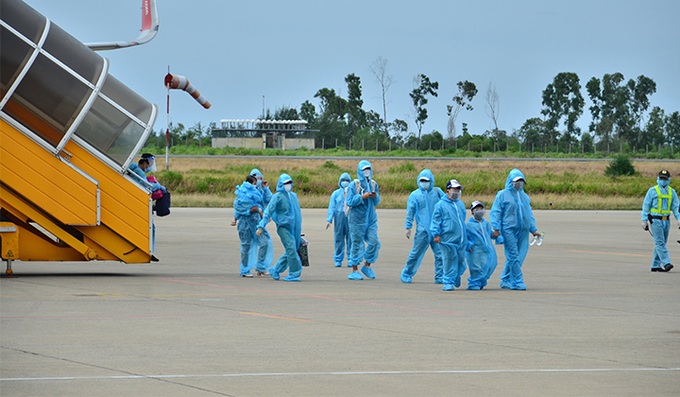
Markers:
<point>594,321</point>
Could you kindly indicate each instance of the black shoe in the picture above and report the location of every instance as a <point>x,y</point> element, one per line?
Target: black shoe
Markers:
<point>154,259</point>
<point>667,268</point>
<point>657,269</point>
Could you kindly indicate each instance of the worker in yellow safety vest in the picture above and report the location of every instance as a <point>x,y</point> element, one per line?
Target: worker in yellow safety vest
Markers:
<point>660,201</point>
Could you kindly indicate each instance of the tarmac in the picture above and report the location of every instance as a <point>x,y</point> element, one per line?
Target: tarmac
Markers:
<point>594,321</point>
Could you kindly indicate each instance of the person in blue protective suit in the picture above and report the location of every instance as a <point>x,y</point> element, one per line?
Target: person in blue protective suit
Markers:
<point>448,230</point>
<point>337,217</point>
<point>513,220</point>
<point>256,251</point>
<point>138,171</point>
<point>262,186</point>
<point>363,195</point>
<point>660,201</point>
<point>420,206</point>
<point>284,210</point>
<point>481,256</point>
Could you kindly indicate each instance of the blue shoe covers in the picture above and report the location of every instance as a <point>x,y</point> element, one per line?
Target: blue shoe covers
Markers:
<point>438,281</point>
<point>338,264</point>
<point>406,279</point>
<point>368,272</point>
<point>474,287</point>
<point>274,274</point>
<point>505,285</point>
<point>447,287</point>
<point>289,278</point>
<point>519,287</point>
<point>355,276</point>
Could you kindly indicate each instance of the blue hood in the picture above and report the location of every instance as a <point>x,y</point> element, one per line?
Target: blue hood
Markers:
<point>344,177</point>
<point>427,174</point>
<point>256,172</point>
<point>360,173</point>
<point>283,178</point>
<point>512,175</point>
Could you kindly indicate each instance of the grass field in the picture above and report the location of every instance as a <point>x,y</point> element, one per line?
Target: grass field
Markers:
<point>564,184</point>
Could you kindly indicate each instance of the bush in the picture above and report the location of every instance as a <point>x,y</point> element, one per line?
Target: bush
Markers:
<point>620,166</point>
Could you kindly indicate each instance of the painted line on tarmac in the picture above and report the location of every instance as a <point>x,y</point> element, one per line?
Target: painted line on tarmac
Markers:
<point>608,253</point>
<point>256,314</point>
<point>342,373</point>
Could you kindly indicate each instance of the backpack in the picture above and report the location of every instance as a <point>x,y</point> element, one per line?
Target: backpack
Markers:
<point>357,188</point>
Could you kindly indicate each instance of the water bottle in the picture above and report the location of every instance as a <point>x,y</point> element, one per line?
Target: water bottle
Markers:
<point>537,240</point>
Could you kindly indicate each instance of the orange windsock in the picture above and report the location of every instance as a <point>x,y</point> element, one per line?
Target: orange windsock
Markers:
<point>182,83</point>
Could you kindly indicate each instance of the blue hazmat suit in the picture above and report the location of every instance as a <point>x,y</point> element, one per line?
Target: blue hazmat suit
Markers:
<point>511,215</point>
<point>362,218</point>
<point>336,216</point>
<point>284,210</point>
<point>139,176</point>
<point>256,252</point>
<point>265,190</point>
<point>420,206</point>
<point>481,257</point>
<point>448,222</point>
<point>660,201</point>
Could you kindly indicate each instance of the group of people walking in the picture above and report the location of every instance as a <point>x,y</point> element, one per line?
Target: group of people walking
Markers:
<point>439,218</point>
<point>436,219</point>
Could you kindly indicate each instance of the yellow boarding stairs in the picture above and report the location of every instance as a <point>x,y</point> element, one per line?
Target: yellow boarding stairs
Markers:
<point>68,132</point>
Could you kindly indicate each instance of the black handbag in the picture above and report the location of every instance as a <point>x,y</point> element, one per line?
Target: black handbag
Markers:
<point>162,206</point>
<point>303,252</point>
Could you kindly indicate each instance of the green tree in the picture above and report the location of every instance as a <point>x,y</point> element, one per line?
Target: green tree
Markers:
<point>562,99</point>
<point>432,141</point>
<point>673,129</point>
<point>331,121</point>
<point>466,92</point>
<point>286,113</point>
<point>610,107</point>
<point>587,144</point>
<point>654,132</point>
<point>356,116</point>
<point>398,127</point>
<point>640,90</point>
<point>308,112</point>
<point>332,106</point>
<point>532,133</point>
<point>424,88</point>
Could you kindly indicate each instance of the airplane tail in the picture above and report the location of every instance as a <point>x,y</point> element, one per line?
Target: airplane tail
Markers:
<point>148,32</point>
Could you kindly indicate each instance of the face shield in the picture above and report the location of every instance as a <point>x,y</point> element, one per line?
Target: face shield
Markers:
<point>152,164</point>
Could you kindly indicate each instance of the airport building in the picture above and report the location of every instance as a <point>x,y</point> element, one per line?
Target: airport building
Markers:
<point>263,134</point>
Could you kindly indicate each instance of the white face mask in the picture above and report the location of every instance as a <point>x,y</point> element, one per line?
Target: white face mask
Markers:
<point>454,194</point>
<point>288,187</point>
<point>344,184</point>
<point>518,185</point>
<point>367,172</point>
<point>479,214</point>
<point>425,185</point>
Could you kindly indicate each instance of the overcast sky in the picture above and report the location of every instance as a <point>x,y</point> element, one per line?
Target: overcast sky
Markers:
<point>237,52</point>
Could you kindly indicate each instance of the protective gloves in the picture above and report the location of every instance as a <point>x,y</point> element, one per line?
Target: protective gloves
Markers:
<point>328,224</point>
<point>258,232</point>
<point>645,225</point>
<point>408,233</point>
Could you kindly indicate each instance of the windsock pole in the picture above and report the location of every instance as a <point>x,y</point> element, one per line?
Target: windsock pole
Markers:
<point>167,130</point>
<point>182,83</point>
